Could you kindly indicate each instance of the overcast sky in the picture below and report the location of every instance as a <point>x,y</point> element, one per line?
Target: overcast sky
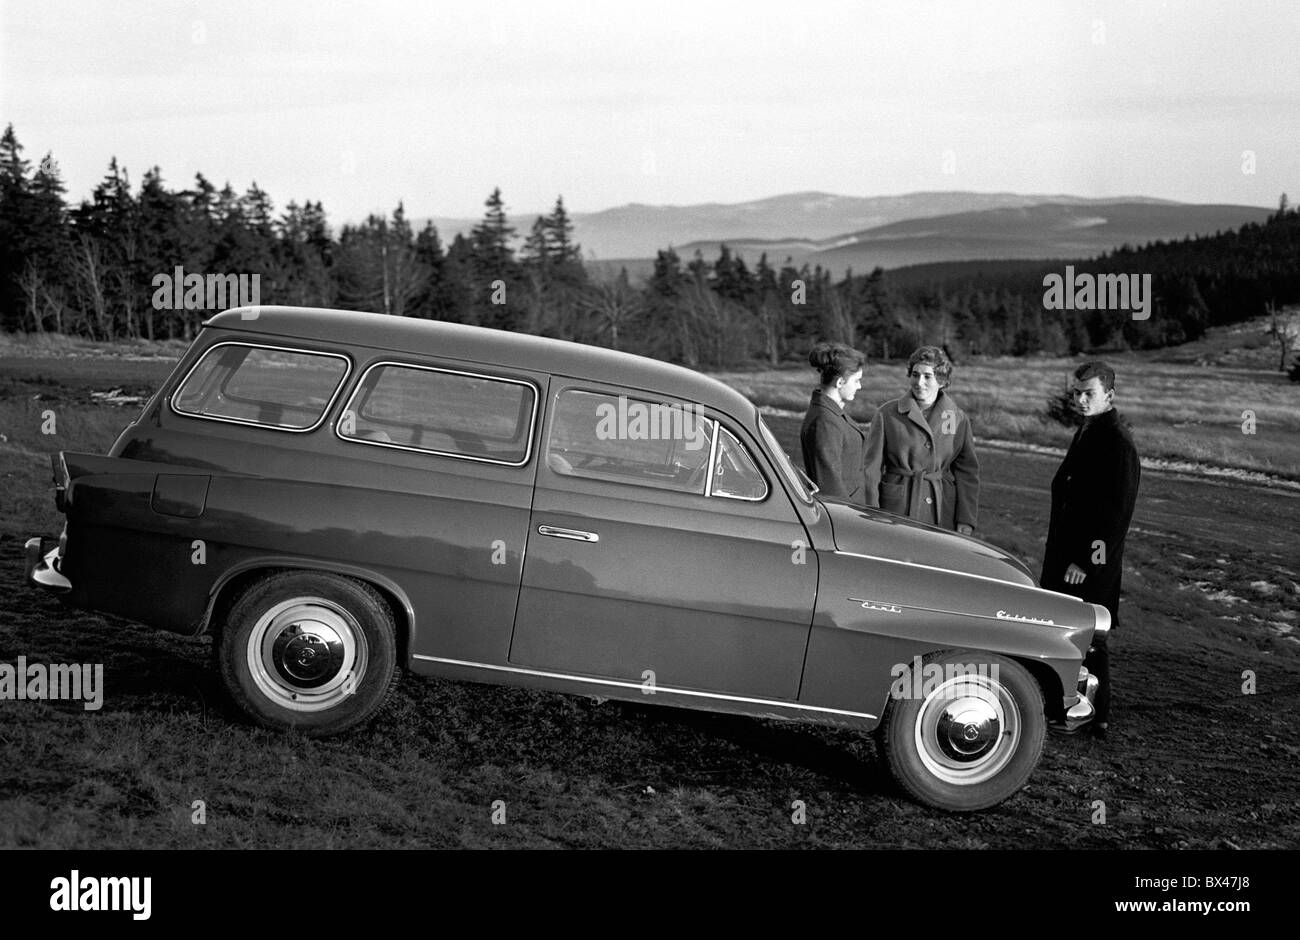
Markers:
<point>363,104</point>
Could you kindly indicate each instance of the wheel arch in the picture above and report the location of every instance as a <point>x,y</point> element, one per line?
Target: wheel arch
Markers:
<point>237,579</point>
<point>1049,682</point>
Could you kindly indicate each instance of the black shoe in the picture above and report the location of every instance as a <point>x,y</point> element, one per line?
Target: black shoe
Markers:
<point>1060,727</point>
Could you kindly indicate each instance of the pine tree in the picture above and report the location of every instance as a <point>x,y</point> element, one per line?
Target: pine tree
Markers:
<point>429,303</point>
<point>564,251</point>
<point>494,268</point>
<point>537,249</point>
<point>14,170</point>
<point>43,278</point>
<point>490,239</point>
<point>15,208</point>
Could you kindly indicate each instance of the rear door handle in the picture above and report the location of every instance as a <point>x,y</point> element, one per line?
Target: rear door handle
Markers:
<point>576,534</point>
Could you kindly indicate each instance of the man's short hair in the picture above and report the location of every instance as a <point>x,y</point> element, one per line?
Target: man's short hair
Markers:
<point>1096,369</point>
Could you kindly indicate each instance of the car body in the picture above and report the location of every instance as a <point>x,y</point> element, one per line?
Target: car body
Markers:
<point>338,497</point>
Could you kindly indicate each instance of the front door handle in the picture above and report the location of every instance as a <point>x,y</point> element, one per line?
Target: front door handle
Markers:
<point>576,534</point>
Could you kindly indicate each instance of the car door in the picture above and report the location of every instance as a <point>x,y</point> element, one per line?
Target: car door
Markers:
<point>661,549</point>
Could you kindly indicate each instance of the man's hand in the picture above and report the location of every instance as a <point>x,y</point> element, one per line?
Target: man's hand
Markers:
<point>1074,575</point>
<point>965,529</point>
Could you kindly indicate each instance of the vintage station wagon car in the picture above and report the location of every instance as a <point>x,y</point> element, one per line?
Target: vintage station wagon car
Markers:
<point>335,496</point>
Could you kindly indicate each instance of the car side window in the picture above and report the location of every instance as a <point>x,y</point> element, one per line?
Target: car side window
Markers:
<point>283,389</point>
<point>442,411</point>
<point>625,440</point>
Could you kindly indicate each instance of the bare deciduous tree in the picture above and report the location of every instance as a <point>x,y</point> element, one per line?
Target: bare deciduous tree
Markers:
<point>1284,327</point>
<point>614,304</point>
<point>89,272</point>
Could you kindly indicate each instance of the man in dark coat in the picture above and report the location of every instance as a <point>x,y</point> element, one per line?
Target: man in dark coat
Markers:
<point>1093,494</point>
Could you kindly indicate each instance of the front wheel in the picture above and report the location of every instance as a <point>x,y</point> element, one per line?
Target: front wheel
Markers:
<point>966,733</point>
<point>309,651</point>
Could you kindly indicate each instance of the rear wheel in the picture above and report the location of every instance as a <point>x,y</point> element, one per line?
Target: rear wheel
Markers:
<point>311,651</point>
<point>967,733</point>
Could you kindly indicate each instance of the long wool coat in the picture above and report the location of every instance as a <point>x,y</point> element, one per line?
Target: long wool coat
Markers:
<point>1093,494</point>
<point>923,469</point>
<point>833,449</point>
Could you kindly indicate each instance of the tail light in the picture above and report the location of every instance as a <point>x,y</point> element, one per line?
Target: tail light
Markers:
<point>61,481</point>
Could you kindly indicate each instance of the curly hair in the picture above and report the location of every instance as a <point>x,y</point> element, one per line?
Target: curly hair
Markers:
<point>835,360</point>
<point>935,357</point>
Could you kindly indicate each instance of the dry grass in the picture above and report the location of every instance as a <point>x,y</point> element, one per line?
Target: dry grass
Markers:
<point>1177,411</point>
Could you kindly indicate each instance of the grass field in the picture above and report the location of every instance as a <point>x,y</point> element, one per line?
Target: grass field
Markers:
<point>1185,404</point>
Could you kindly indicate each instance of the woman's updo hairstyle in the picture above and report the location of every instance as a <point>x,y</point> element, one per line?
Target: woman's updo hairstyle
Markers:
<point>935,357</point>
<point>835,360</point>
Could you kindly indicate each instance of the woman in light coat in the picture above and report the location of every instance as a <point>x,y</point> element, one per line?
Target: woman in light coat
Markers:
<point>920,457</point>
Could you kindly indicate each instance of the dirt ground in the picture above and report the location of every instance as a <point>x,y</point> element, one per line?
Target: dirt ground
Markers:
<point>1194,758</point>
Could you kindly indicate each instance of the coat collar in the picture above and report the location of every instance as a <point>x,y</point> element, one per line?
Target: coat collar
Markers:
<point>829,404</point>
<point>907,406</point>
<point>821,401</point>
<point>1108,420</point>
<point>1109,416</point>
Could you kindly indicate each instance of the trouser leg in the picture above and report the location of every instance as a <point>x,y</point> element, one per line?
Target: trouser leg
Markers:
<point>1098,663</point>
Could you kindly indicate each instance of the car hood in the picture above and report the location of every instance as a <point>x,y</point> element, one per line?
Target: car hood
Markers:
<point>864,531</point>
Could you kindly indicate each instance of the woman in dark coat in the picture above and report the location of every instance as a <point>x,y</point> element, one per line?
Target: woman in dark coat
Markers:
<point>833,443</point>
<point>921,458</point>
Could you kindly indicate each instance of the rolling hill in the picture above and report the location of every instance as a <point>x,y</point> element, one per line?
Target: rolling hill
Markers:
<point>1046,230</point>
<point>841,232</point>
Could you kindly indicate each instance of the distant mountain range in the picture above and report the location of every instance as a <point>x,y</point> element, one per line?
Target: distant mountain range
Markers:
<point>840,232</point>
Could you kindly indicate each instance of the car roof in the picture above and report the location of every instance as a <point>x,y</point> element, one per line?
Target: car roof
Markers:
<point>486,346</point>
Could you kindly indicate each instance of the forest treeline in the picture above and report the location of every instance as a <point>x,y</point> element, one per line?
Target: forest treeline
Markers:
<point>90,270</point>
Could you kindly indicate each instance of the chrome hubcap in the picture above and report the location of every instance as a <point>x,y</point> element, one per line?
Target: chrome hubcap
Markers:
<point>307,654</point>
<point>967,729</point>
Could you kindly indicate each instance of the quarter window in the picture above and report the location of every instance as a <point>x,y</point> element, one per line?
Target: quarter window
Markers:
<point>734,473</point>
<point>286,389</point>
<point>444,412</point>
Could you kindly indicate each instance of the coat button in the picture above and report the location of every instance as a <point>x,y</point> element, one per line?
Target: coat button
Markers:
<point>927,445</point>
<point>928,500</point>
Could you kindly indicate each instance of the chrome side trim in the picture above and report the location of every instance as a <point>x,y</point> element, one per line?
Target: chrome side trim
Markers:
<point>964,574</point>
<point>713,457</point>
<point>897,607</point>
<point>637,685</point>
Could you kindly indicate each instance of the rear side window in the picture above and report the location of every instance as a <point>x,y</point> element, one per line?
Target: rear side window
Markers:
<point>441,411</point>
<point>274,387</point>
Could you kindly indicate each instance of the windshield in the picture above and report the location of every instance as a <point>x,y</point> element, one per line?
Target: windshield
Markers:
<point>783,462</point>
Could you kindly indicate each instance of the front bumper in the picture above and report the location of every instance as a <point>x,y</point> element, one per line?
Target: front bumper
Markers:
<point>1102,626</point>
<point>43,567</point>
